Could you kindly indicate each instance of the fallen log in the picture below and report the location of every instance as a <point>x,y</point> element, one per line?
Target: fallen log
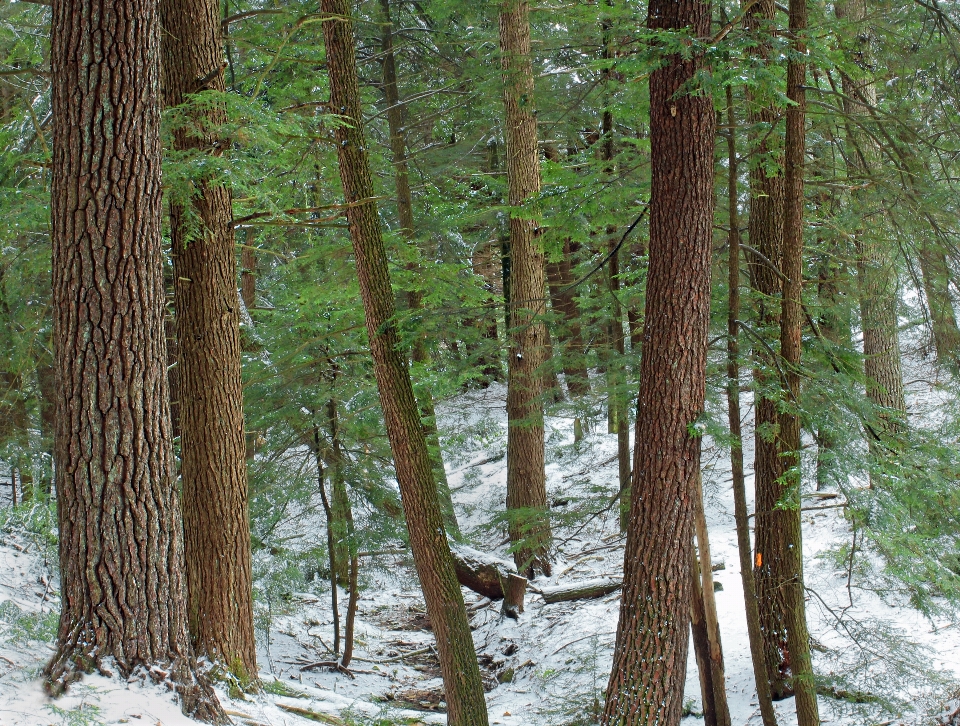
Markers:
<point>583,590</point>
<point>480,572</point>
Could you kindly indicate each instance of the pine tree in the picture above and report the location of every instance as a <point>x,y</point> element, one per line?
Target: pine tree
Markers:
<point>526,480</point>
<point>213,467</point>
<point>414,469</point>
<point>654,610</point>
<point>121,553</point>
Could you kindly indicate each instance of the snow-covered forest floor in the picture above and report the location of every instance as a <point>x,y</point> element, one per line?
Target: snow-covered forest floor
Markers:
<point>550,667</point>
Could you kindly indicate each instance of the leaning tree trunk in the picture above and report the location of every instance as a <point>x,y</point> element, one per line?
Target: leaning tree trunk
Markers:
<point>121,555</point>
<point>766,238</point>
<point>526,480</point>
<point>411,456</point>
<point>654,610</point>
<point>398,146</point>
<point>748,583</point>
<point>213,467</point>
<point>787,516</point>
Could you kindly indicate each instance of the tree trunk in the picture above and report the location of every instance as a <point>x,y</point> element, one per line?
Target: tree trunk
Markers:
<point>705,578</point>
<point>754,632</point>
<point>654,611</point>
<point>414,470</point>
<point>213,466</point>
<point>701,642</point>
<point>121,553</point>
<point>936,288</point>
<point>787,516</point>
<point>563,300</point>
<point>526,481</point>
<point>876,257</point>
<point>341,513</point>
<point>766,237</point>
<point>396,111</point>
<point>332,555</point>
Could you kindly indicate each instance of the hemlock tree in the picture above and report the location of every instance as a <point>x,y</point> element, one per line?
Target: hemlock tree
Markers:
<point>786,517</point>
<point>526,480</point>
<point>765,230</point>
<point>212,448</point>
<point>463,688</point>
<point>654,610</point>
<point>121,553</point>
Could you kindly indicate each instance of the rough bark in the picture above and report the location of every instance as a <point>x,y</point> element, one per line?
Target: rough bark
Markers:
<point>654,611</point>
<point>876,256</point>
<point>787,516</point>
<point>463,687</point>
<point>121,548</point>
<point>396,110</point>
<point>754,632</point>
<point>213,466</point>
<point>526,481</point>
<point>765,232</point>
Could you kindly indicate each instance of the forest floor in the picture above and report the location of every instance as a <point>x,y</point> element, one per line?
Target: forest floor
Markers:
<point>882,662</point>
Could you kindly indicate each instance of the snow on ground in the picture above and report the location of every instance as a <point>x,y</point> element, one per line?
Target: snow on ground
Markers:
<point>548,668</point>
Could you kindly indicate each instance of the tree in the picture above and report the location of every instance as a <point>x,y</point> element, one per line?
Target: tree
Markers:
<point>744,551</point>
<point>654,610</point>
<point>765,230</point>
<point>121,552</point>
<point>401,174</point>
<point>526,481</point>
<point>787,515</point>
<point>411,456</point>
<point>213,467</point>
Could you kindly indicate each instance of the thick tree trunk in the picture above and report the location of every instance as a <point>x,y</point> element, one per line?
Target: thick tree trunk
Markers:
<point>526,481</point>
<point>787,516</point>
<point>766,237</point>
<point>121,553</point>
<point>654,611</point>
<point>876,257</point>
<point>463,687</point>
<point>396,110</point>
<point>213,467</point>
<point>754,632</point>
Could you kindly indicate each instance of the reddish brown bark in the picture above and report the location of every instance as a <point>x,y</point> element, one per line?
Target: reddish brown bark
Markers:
<point>654,611</point>
<point>213,466</point>
<point>744,550</point>
<point>526,481</point>
<point>765,232</point>
<point>563,299</point>
<point>463,688</point>
<point>121,552</point>
<point>787,516</point>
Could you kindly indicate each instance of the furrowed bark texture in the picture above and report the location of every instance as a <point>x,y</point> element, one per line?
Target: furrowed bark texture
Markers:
<point>396,110</point>
<point>526,481</point>
<point>787,517</point>
<point>213,466</point>
<point>649,662</point>
<point>876,256</point>
<point>765,231</point>
<point>736,435</point>
<point>458,663</point>
<point>121,552</point>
